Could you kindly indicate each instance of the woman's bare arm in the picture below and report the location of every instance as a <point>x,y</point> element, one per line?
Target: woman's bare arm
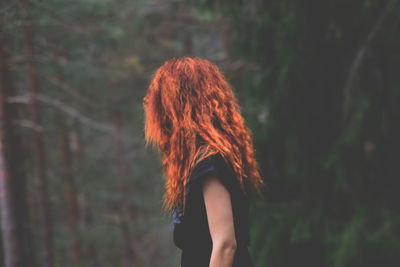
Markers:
<point>220,220</point>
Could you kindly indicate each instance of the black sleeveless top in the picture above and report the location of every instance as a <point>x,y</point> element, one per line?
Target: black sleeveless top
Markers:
<point>191,232</point>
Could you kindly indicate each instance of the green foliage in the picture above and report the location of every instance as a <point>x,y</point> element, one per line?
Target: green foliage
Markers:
<point>330,175</point>
<point>93,60</point>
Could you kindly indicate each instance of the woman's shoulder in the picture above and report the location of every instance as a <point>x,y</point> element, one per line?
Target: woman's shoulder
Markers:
<point>213,164</point>
<point>209,164</point>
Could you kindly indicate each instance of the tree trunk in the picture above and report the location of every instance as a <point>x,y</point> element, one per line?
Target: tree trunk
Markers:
<point>71,198</point>
<point>68,144</point>
<point>87,216</point>
<point>16,233</point>
<point>83,201</point>
<point>39,154</point>
<point>132,251</point>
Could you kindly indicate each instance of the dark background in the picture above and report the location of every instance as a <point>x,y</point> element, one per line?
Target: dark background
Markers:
<point>319,86</point>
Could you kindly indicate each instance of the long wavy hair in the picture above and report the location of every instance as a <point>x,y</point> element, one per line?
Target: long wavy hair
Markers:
<point>191,113</point>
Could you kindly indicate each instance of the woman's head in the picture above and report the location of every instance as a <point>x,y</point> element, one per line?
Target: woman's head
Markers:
<point>190,107</point>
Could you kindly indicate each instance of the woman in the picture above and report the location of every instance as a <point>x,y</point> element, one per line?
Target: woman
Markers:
<point>194,121</point>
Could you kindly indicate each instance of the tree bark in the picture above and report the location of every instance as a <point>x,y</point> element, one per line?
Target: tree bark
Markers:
<point>67,144</point>
<point>87,216</point>
<point>133,254</point>
<point>39,153</point>
<point>15,222</point>
<point>70,193</point>
<point>83,201</point>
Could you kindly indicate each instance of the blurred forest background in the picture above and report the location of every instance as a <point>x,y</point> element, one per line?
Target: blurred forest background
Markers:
<point>319,85</point>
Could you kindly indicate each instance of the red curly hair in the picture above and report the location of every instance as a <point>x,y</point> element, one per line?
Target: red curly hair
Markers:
<point>190,107</point>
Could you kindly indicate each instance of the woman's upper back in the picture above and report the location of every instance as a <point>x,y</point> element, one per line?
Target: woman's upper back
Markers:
<point>191,225</point>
